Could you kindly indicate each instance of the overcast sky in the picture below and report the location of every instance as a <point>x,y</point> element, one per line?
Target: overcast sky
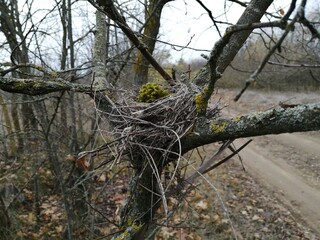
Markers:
<point>186,19</point>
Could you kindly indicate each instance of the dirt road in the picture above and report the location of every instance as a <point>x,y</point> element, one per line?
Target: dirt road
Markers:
<point>301,194</point>
<point>288,165</point>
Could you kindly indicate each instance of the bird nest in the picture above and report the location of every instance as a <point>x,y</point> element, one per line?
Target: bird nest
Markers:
<point>145,128</point>
<point>149,131</point>
<point>157,125</point>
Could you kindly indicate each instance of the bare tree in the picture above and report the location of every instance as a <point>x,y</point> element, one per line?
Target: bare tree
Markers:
<point>150,135</point>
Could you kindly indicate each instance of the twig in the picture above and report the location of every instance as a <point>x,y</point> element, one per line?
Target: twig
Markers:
<point>110,10</point>
<point>303,65</point>
<point>289,28</point>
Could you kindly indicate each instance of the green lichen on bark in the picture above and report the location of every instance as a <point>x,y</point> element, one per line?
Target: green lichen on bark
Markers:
<point>130,231</point>
<point>217,128</point>
<point>202,76</point>
<point>275,121</point>
<point>201,103</point>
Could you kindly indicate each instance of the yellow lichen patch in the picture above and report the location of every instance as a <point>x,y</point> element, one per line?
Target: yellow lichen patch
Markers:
<point>131,223</point>
<point>136,227</point>
<point>131,228</point>
<point>39,68</point>
<point>123,236</point>
<point>237,118</point>
<point>201,104</point>
<point>206,90</point>
<point>53,74</point>
<point>217,128</point>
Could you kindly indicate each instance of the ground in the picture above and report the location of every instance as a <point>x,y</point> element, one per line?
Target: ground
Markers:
<point>277,196</point>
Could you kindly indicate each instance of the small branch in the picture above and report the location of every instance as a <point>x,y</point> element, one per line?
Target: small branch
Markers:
<point>239,2</point>
<point>252,26</point>
<point>290,11</point>
<point>52,74</point>
<point>235,152</point>
<point>202,169</point>
<point>110,10</point>
<point>302,65</point>
<point>289,28</point>
<point>315,33</point>
<point>210,16</point>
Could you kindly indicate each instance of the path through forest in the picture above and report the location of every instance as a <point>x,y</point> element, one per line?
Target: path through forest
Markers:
<point>301,194</point>
<point>288,165</point>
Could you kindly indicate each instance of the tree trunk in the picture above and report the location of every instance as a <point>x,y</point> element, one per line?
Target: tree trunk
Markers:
<point>16,124</point>
<point>4,221</point>
<point>138,215</point>
<point>8,129</point>
<point>12,28</point>
<point>151,29</point>
<point>100,51</point>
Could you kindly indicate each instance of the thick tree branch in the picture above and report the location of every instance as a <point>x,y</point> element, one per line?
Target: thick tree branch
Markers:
<point>41,87</point>
<point>280,120</point>
<point>252,14</point>
<point>225,50</point>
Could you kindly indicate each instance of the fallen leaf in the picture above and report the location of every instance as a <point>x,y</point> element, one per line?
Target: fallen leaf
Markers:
<point>82,164</point>
<point>102,177</point>
<point>255,218</point>
<point>202,205</point>
<point>244,212</point>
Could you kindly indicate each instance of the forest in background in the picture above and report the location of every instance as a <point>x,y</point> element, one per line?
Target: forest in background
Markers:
<point>42,136</point>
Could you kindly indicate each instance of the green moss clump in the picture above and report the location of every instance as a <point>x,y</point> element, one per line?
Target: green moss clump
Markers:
<point>150,92</point>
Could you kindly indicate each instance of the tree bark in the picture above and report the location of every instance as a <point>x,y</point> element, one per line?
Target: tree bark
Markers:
<point>110,10</point>
<point>8,127</point>
<point>41,87</point>
<point>252,14</point>
<point>300,118</point>
<point>138,215</point>
<point>149,37</point>
<point>5,223</point>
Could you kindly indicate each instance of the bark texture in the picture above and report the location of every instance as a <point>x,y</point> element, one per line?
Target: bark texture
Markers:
<point>151,29</point>
<point>111,11</point>
<point>275,121</point>
<point>41,87</point>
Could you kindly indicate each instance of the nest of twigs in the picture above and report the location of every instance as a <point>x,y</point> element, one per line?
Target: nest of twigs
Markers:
<point>149,131</point>
<point>145,128</point>
<point>157,125</point>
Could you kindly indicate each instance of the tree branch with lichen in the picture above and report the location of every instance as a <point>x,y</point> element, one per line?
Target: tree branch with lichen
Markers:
<point>299,118</point>
<point>41,87</point>
<point>226,48</point>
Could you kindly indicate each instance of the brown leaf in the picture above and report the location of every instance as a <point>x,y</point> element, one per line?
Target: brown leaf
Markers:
<point>102,177</point>
<point>82,164</point>
<point>202,205</point>
<point>70,158</point>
